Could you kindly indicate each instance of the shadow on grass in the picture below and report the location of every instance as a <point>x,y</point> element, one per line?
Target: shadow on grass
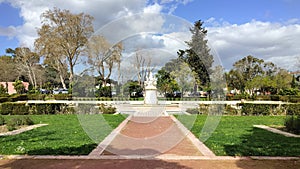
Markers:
<point>264,143</point>
<point>64,150</point>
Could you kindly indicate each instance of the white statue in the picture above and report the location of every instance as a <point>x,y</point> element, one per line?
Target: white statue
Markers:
<point>151,80</point>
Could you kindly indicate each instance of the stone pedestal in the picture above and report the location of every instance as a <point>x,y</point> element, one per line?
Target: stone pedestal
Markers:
<point>150,96</point>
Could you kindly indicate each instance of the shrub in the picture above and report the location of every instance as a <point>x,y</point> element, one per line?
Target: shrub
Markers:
<point>36,96</point>
<point>2,121</point>
<point>14,122</point>
<point>230,110</point>
<point>193,111</point>
<point>292,123</point>
<point>4,99</point>
<point>294,99</point>
<point>107,109</point>
<point>48,108</point>
<point>258,109</point>
<point>13,109</point>
<point>18,97</point>
<point>63,97</point>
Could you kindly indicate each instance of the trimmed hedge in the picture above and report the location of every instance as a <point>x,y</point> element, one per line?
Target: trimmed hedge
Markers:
<point>14,109</point>
<point>23,109</point>
<point>63,97</point>
<point>107,109</point>
<point>36,96</point>
<point>262,109</point>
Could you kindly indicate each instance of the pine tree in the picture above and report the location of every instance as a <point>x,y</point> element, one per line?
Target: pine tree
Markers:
<point>198,55</point>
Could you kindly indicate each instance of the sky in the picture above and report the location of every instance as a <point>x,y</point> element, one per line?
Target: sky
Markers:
<point>266,29</point>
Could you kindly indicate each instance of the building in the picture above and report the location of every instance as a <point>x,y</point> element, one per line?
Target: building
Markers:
<point>11,89</point>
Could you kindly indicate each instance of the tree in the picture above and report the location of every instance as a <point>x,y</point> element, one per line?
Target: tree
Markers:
<point>102,57</point>
<point>19,87</point>
<point>184,77</point>
<point>143,68</point>
<point>27,61</point>
<point>3,90</point>
<point>198,55</point>
<point>8,69</point>
<point>166,82</point>
<point>66,34</point>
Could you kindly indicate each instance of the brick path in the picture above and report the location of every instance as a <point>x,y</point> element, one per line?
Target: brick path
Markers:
<point>143,136</point>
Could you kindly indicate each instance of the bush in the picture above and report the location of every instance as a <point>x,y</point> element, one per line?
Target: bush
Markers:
<point>13,109</point>
<point>4,99</point>
<point>36,96</point>
<point>230,110</point>
<point>107,109</point>
<point>63,97</point>
<point>292,123</point>
<point>258,109</point>
<point>193,111</point>
<point>13,123</point>
<point>294,99</point>
<point>18,97</point>
<point>48,108</point>
<point>2,121</point>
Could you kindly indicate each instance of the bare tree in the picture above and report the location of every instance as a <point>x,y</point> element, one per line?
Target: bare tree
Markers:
<point>68,34</point>
<point>143,67</point>
<point>102,57</point>
<point>27,60</point>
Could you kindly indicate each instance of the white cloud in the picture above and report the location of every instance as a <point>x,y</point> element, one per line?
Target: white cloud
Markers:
<point>8,31</point>
<point>275,42</point>
<point>155,8</point>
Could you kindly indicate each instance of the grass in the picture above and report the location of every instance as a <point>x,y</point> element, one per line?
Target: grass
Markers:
<point>63,136</point>
<point>236,136</point>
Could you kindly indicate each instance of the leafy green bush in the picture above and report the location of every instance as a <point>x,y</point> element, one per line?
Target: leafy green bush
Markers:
<point>193,111</point>
<point>4,99</point>
<point>294,99</point>
<point>263,97</point>
<point>258,109</point>
<point>36,96</point>
<point>48,108</point>
<point>230,110</point>
<point>18,97</point>
<point>2,121</point>
<point>14,122</point>
<point>292,123</point>
<point>107,109</point>
<point>13,109</point>
<point>63,97</point>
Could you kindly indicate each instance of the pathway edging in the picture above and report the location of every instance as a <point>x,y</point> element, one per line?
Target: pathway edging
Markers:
<point>273,130</point>
<point>19,131</point>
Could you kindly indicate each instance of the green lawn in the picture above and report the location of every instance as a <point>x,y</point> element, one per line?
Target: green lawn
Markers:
<point>236,136</point>
<point>63,136</point>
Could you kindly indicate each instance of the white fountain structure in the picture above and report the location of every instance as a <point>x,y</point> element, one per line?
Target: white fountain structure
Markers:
<point>150,90</point>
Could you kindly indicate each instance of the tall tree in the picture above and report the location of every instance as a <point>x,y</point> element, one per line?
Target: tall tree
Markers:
<point>143,67</point>
<point>198,55</point>
<point>27,61</point>
<point>102,57</point>
<point>166,83</point>
<point>8,69</point>
<point>67,34</point>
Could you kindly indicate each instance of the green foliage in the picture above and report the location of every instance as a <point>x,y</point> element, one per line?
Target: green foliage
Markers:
<point>18,97</point>
<point>289,91</point>
<point>17,121</point>
<point>19,87</point>
<point>166,82</point>
<point>198,55</point>
<point>49,108</point>
<point>259,109</point>
<point>107,109</point>
<point>64,135</point>
<point>292,123</point>
<point>14,109</point>
<point>104,91</point>
<point>63,96</point>
<point>193,111</point>
<point>3,90</point>
<point>36,96</point>
<point>2,120</point>
<point>4,99</point>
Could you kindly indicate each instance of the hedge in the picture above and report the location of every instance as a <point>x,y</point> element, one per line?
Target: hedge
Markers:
<point>292,121</point>
<point>23,109</point>
<point>262,109</point>
<point>14,109</point>
<point>63,97</point>
<point>36,96</point>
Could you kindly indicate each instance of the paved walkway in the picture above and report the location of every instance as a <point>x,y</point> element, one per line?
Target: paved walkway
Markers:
<point>146,137</point>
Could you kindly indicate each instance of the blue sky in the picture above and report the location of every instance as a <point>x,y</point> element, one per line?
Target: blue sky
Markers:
<point>263,28</point>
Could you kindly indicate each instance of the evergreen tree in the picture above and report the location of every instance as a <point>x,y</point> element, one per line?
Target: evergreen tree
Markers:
<point>198,55</point>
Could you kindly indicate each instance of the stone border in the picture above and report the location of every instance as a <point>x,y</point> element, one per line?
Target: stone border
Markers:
<point>161,157</point>
<point>200,146</point>
<point>273,130</point>
<point>19,131</point>
<point>108,139</point>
